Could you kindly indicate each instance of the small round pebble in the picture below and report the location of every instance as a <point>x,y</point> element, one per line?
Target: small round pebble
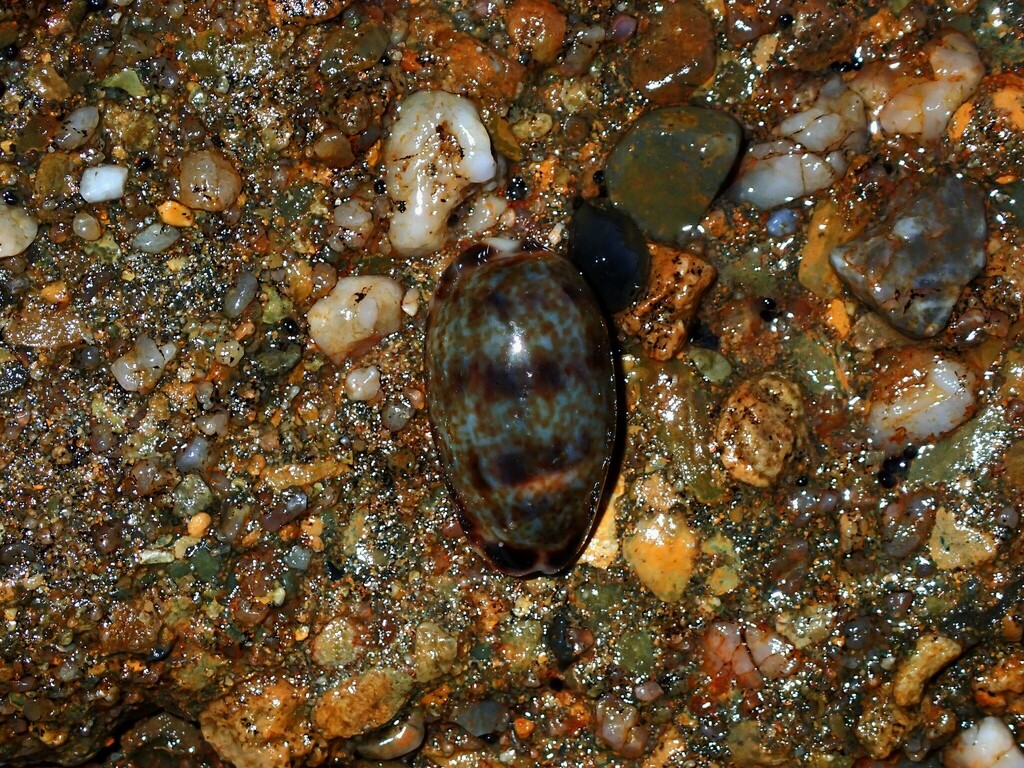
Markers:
<point>199,524</point>
<point>782,222</point>
<point>208,181</point>
<point>86,227</point>
<point>362,384</point>
<point>156,238</point>
<point>103,183</point>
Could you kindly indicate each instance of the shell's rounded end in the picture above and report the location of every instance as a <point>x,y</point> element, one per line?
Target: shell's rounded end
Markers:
<point>473,256</point>
<point>523,562</point>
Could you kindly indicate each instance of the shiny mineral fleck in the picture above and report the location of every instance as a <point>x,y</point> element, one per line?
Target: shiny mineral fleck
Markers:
<point>522,399</point>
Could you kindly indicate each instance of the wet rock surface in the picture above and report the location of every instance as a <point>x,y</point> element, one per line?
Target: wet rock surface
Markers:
<point>668,167</point>
<point>222,546</point>
<point>912,266</point>
<point>986,134</point>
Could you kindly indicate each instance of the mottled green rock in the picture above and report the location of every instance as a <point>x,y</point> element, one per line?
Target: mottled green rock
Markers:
<point>670,165</point>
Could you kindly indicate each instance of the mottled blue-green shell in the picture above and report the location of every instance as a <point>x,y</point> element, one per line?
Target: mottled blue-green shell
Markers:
<point>522,400</point>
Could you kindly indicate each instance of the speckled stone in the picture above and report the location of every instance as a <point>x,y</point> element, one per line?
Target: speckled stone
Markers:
<point>670,165</point>
<point>912,265</point>
<point>522,400</point>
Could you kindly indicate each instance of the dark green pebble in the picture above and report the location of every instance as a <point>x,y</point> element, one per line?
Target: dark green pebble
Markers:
<point>669,166</point>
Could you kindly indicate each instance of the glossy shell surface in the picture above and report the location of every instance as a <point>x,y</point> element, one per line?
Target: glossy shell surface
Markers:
<point>522,400</point>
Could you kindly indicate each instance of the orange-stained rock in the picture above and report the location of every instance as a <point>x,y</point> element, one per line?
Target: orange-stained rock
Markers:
<point>986,134</point>
<point>676,54</point>
<point>822,33</point>
<point>472,69</point>
<point>536,26</point>
<point>661,317</point>
<point>260,723</point>
<point>361,703</point>
<point>459,63</point>
<point>662,551</point>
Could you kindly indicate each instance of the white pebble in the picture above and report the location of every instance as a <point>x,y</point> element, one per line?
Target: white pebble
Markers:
<point>989,744</point>
<point>362,384</point>
<point>436,150</point>
<point>355,315</point>
<point>156,238</point>
<point>905,103</point>
<point>809,152</point>
<point>215,423</point>
<point>77,128</point>
<point>103,183</point>
<point>17,230</point>
<point>919,396</point>
<point>778,172</point>
<point>836,120</point>
<point>86,227</point>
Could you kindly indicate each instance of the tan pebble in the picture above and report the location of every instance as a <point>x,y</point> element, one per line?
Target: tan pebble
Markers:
<point>208,180</point>
<point>723,579</point>
<point>931,654</point>
<point>55,293</point>
<point>183,545</point>
<point>761,427</point>
<point>336,644</point>
<point>662,551</point>
<point>524,728</point>
<point>198,525</point>
<point>247,725</point>
<point>361,703</point>
<point>954,544</point>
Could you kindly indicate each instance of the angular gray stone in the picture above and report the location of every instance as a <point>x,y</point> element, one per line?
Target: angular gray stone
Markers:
<point>912,265</point>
